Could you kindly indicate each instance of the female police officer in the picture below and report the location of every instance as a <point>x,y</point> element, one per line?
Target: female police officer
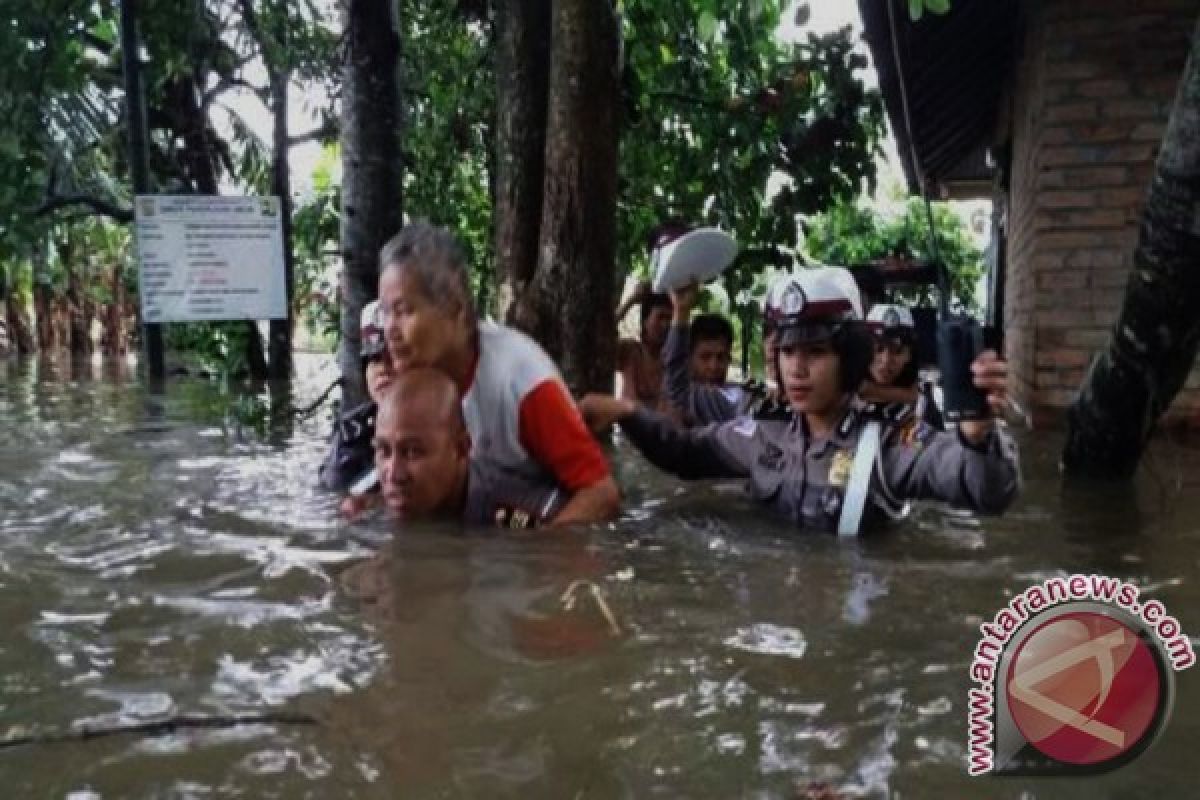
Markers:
<point>894,380</point>
<point>825,464</point>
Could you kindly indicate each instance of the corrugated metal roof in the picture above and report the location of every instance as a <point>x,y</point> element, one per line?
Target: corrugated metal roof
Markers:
<point>954,67</point>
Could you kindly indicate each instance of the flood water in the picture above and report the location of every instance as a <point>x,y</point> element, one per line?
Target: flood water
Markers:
<point>161,557</point>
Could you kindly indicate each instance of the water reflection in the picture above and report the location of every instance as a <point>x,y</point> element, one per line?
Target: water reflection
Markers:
<point>161,555</point>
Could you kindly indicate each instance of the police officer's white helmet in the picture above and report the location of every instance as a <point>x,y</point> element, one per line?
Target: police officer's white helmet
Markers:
<point>370,331</point>
<point>812,304</point>
<point>890,320</point>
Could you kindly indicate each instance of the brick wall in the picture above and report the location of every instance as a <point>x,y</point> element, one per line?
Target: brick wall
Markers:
<point>1091,90</point>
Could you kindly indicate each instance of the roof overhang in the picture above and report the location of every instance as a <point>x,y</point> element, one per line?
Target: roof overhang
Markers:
<point>953,68</point>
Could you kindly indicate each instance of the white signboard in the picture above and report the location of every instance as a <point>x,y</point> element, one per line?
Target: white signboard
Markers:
<point>206,258</point>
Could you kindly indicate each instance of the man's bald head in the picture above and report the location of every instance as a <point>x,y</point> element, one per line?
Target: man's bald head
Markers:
<point>421,445</point>
<point>425,395</point>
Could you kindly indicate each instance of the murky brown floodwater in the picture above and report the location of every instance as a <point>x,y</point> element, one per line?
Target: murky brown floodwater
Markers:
<point>158,558</point>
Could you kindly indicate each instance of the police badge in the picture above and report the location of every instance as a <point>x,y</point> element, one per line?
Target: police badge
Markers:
<point>839,470</point>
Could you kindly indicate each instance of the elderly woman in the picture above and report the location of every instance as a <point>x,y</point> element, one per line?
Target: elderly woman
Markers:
<point>519,414</point>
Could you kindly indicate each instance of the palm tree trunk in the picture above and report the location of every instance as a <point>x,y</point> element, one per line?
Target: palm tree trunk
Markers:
<point>1153,345</point>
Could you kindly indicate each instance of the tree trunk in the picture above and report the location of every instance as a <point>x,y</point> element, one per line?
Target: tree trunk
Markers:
<point>43,309</point>
<point>273,49</point>
<point>76,305</point>
<point>1153,344</point>
<point>281,185</point>
<point>568,306</point>
<point>16,318</point>
<point>371,197</point>
<point>112,340</point>
<point>522,75</point>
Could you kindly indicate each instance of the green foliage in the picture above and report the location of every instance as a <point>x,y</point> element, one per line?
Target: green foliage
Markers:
<point>315,231</point>
<point>853,234</point>
<point>717,107</point>
<point>723,124</point>
<point>449,93</point>
<point>916,8</point>
<point>61,97</point>
<point>214,349</point>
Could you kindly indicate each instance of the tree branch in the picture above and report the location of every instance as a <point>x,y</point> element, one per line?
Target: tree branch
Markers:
<point>224,85</point>
<point>99,207</point>
<point>326,131</point>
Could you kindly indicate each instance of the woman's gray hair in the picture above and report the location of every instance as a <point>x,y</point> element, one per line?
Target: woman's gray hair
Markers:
<point>434,257</point>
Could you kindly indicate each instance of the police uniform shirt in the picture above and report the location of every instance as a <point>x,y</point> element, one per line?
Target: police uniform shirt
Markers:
<point>351,454</point>
<point>805,480</point>
<point>505,499</point>
<point>705,404</point>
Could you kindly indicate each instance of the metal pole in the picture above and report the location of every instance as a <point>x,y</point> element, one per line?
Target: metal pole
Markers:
<point>135,116</point>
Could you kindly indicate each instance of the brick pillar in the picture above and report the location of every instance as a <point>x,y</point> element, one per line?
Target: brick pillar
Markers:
<point>1091,94</point>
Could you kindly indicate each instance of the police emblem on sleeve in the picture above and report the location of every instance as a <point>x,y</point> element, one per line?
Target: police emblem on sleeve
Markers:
<point>839,469</point>
<point>771,457</point>
<point>891,319</point>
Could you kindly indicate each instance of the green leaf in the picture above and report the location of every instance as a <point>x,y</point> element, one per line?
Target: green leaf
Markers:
<point>915,9</point>
<point>707,26</point>
<point>938,6</point>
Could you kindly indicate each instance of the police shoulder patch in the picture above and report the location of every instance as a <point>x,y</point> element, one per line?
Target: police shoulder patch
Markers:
<point>746,426</point>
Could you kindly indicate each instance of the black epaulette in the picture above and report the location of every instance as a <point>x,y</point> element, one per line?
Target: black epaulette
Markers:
<point>849,422</point>
<point>894,413</point>
<point>767,407</point>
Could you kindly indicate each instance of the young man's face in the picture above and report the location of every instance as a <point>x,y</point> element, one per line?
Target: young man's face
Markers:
<point>654,332</point>
<point>419,332</point>
<point>810,374</point>
<point>710,361</point>
<point>422,460</point>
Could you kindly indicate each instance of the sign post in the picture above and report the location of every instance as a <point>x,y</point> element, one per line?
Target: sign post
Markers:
<point>205,258</point>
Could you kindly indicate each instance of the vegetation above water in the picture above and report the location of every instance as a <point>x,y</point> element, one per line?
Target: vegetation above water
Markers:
<point>712,104</point>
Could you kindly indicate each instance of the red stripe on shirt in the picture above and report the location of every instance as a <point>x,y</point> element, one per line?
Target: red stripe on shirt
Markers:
<point>553,432</point>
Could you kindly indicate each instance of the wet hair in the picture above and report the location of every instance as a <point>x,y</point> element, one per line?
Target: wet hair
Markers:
<point>908,376</point>
<point>856,349</point>
<point>436,259</point>
<point>649,303</point>
<point>426,385</point>
<point>710,327</point>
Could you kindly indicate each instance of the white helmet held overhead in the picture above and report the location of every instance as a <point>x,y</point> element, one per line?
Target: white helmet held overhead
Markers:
<point>812,304</point>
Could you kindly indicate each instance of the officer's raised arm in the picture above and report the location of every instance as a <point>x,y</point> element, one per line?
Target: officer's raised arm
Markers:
<point>714,451</point>
<point>699,403</point>
<point>975,467</point>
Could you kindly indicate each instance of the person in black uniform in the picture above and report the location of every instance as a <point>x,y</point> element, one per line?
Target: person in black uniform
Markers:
<point>423,457</point>
<point>350,459</point>
<point>824,464</point>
